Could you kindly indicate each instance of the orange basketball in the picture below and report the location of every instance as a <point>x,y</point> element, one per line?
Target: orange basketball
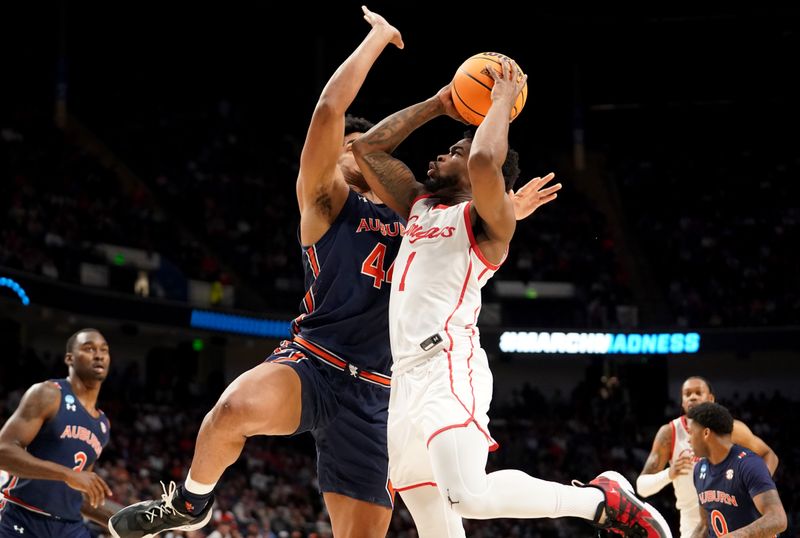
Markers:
<point>472,87</point>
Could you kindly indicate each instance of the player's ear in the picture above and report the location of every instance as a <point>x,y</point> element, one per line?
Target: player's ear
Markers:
<point>69,359</point>
<point>711,397</point>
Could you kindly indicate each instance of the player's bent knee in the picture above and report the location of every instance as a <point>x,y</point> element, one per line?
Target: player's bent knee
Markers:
<point>463,502</point>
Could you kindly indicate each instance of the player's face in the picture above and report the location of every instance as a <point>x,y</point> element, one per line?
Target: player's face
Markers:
<point>697,438</point>
<point>694,391</point>
<point>349,166</point>
<point>449,170</point>
<point>90,356</point>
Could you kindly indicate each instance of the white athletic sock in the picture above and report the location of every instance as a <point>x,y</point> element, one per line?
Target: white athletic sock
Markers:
<point>196,488</point>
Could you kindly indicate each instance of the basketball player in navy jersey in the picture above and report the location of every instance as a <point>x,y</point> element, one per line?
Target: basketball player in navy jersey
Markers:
<point>442,384</point>
<point>738,498</point>
<point>671,459</point>
<point>50,444</point>
<point>332,377</point>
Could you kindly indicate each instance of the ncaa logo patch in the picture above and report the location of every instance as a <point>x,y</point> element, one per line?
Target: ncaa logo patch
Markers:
<point>703,471</point>
<point>69,400</point>
<point>729,474</point>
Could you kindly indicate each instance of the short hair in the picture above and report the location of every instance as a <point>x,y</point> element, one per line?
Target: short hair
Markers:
<point>713,416</point>
<point>72,339</point>
<point>354,124</point>
<point>704,380</point>
<point>510,165</point>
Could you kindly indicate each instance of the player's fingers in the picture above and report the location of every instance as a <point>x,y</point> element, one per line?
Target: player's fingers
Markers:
<point>106,488</point>
<point>551,189</point>
<point>528,185</point>
<point>548,178</point>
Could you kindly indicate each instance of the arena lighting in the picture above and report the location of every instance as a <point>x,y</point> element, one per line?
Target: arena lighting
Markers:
<point>266,328</point>
<point>16,288</point>
<point>600,343</point>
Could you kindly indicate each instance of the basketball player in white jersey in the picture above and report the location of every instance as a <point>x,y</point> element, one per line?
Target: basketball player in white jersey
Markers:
<point>671,446</point>
<point>457,236</point>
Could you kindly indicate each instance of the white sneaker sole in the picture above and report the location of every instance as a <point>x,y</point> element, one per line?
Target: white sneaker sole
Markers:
<point>622,481</point>
<point>192,527</point>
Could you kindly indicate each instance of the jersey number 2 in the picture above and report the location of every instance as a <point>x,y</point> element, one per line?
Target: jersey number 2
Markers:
<point>373,266</point>
<point>80,461</point>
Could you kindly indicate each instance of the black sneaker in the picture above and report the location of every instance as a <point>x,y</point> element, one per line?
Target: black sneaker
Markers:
<point>148,518</point>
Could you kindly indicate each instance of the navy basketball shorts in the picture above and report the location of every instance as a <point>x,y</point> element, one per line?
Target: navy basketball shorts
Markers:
<point>347,417</point>
<point>17,522</point>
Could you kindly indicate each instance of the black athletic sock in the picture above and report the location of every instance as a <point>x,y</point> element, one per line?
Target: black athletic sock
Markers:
<point>191,503</point>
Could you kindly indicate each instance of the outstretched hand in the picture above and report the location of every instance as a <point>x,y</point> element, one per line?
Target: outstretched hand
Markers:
<point>380,23</point>
<point>532,195</point>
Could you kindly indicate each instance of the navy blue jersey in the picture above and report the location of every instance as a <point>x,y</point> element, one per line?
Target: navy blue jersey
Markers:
<point>726,490</point>
<point>344,319</point>
<point>72,438</point>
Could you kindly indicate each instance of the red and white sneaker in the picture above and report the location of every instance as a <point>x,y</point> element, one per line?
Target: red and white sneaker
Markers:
<point>626,514</point>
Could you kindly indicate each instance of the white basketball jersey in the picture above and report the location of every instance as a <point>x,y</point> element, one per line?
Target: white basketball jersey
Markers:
<point>436,284</point>
<point>685,493</point>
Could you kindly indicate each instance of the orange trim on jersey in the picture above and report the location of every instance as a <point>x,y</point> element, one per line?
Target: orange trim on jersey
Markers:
<point>414,486</point>
<point>474,243</point>
<point>23,504</point>
<point>308,300</point>
<point>328,357</point>
<point>312,260</point>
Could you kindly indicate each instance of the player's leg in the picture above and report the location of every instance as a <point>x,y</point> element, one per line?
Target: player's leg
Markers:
<point>458,458</point>
<point>432,516</point>
<point>265,400</point>
<point>354,518</point>
<point>352,459</point>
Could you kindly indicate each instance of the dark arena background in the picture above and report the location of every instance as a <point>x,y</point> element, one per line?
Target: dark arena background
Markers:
<point>148,158</point>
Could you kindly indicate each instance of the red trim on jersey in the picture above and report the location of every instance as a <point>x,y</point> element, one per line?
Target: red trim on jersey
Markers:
<point>674,438</point>
<point>685,423</point>
<point>405,271</point>
<point>417,199</point>
<point>452,342</point>
<point>414,486</point>
<point>474,243</point>
<point>312,260</point>
<point>471,420</point>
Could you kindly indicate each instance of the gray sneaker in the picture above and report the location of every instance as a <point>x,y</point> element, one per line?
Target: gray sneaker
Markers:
<point>149,518</point>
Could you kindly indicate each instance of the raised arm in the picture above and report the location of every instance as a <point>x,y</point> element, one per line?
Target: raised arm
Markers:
<point>390,178</point>
<point>742,435</point>
<point>321,192</point>
<point>772,520</point>
<point>39,404</point>
<point>486,158</point>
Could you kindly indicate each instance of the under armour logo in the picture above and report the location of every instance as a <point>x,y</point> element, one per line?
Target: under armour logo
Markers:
<point>353,370</point>
<point>20,530</point>
<point>71,407</point>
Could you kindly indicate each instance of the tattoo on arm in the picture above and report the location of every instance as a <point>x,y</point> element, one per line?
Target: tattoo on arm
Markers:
<point>660,454</point>
<point>395,177</point>
<point>388,134</point>
<point>772,521</point>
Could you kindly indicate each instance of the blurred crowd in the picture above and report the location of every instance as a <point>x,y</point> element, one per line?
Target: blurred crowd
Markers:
<point>271,492</point>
